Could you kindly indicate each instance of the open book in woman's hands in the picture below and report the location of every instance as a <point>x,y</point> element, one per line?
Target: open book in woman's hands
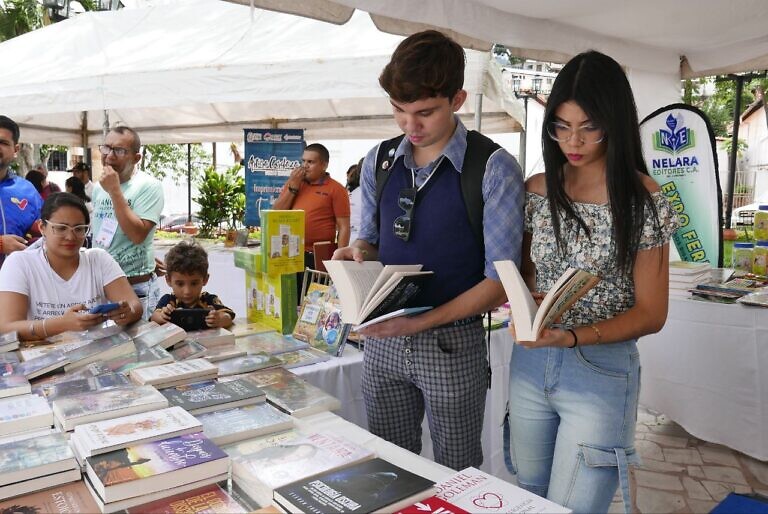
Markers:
<point>528,318</point>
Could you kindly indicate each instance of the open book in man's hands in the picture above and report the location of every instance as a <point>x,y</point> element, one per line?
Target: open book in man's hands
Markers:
<point>529,319</point>
<point>371,292</point>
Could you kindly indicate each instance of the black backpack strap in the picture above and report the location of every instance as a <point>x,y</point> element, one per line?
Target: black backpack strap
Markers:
<point>385,157</point>
<point>479,150</point>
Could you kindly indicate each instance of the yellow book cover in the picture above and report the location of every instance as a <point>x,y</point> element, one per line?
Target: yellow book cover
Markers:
<point>282,241</point>
<point>271,300</point>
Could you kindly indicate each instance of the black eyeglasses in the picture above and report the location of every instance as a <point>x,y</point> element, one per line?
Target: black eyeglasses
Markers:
<point>403,223</point>
<point>119,152</point>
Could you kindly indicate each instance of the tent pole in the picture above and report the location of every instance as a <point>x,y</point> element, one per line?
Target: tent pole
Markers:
<point>478,111</point>
<point>84,130</point>
<point>734,148</point>
<point>105,126</point>
<point>189,183</point>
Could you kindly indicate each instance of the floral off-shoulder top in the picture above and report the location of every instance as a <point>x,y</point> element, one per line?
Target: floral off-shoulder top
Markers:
<point>615,292</point>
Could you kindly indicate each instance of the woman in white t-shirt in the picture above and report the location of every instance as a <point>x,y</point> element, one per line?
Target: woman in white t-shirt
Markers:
<point>49,289</point>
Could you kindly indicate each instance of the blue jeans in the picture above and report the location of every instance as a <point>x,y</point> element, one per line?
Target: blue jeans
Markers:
<point>571,429</point>
<point>149,294</point>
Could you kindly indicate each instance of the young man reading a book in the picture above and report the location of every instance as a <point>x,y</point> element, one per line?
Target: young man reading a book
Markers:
<point>435,360</point>
<point>186,268</point>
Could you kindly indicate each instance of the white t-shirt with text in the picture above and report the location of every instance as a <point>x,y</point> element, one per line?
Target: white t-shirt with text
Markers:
<point>28,273</point>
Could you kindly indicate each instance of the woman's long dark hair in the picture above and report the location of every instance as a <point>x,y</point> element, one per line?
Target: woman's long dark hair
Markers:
<point>599,86</point>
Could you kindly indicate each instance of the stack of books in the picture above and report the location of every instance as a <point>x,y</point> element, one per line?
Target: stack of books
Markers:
<point>71,498</point>
<point>147,472</point>
<point>164,336</point>
<point>99,350</point>
<point>270,342</point>
<point>233,425</point>
<point>175,373</point>
<point>302,358</point>
<point>684,275</point>
<point>202,397</point>
<point>68,385</point>
<point>71,411</point>
<point>290,393</point>
<point>113,434</point>
<point>36,463</point>
<point>474,491</point>
<point>211,499</point>
<point>212,337</point>
<point>142,357</point>
<point>188,349</point>
<point>41,366</point>
<point>24,412</point>
<point>220,353</point>
<point>247,363</point>
<point>374,485</point>
<point>9,342</point>
<point>262,465</point>
<point>14,385</point>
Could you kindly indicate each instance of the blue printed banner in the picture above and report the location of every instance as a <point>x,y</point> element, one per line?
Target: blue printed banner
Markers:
<point>270,156</point>
<point>679,150</point>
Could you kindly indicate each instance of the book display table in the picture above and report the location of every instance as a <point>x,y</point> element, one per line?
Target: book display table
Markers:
<point>708,371</point>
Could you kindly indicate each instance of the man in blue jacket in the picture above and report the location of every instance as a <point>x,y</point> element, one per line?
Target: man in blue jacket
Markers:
<point>20,202</point>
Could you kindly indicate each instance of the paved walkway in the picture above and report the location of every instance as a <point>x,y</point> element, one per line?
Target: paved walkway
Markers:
<point>683,474</point>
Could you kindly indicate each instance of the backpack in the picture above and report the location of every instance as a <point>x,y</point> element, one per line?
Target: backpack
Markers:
<point>479,150</point>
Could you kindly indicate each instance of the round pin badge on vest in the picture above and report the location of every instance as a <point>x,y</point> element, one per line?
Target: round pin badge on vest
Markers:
<point>385,165</point>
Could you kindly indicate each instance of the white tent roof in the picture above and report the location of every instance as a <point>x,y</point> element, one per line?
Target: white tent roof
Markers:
<point>203,70</point>
<point>689,37</point>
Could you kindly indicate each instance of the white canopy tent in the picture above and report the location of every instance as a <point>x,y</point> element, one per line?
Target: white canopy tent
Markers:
<point>658,41</point>
<point>203,70</point>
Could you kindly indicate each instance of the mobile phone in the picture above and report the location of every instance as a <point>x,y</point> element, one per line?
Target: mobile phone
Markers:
<point>190,319</point>
<point>104,308</point>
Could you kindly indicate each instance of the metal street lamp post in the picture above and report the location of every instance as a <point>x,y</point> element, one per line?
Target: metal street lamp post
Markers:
<point>525,93</point>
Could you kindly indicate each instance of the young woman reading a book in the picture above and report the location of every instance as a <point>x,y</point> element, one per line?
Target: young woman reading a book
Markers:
<point>48,289</point>
<point>574,390</point>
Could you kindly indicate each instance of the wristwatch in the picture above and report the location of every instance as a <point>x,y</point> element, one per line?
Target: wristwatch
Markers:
<point>293,190</point>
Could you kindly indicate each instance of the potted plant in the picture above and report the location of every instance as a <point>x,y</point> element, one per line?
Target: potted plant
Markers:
<point>218,193</point>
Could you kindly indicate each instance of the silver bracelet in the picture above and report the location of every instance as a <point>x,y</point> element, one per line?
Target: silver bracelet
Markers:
<point>45,332</point>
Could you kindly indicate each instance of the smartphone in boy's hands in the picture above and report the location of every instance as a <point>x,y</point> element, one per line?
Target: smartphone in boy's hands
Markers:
<point>103,308</point>
<point>190,319</point>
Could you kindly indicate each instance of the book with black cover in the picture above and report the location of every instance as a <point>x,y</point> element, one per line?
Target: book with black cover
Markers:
<point>369,486</point>
<point>369,290</point>
<point>205,397</point>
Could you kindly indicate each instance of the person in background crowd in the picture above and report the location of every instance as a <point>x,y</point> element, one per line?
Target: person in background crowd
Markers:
<point>353,186</point>
<point>325,202</point>
<point>573,392</point>
<point>48,289</point>
<point>75,186</point>
<point>37,179</point>
<point>435,361</point>
<point>82,171</point>
<point>126,209</point>
<point>20,203</point>
<point>48,187</point>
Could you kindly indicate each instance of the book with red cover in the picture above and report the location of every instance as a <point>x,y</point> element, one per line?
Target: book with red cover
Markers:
<point>210,499</point>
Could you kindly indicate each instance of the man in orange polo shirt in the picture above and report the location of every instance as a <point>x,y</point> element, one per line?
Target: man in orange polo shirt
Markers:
<point>324,201</point>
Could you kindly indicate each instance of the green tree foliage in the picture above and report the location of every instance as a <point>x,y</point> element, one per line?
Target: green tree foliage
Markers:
<point>720,104</point>
<point>18,17</point>
<point>171,161</point>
